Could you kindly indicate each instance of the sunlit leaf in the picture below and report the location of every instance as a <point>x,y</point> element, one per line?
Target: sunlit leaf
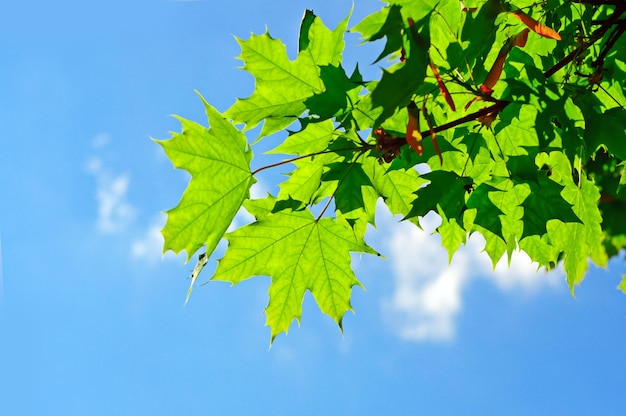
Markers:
<point>283,85</point>
<point>218,160</point>
<point>537,163</point>
<point>301,254</point>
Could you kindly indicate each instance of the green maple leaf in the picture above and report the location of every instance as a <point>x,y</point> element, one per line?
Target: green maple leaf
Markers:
<point>580,241</point>
<point>510,200</point>
<point>305,181</point>
<point>397,187</point>
<point>545,202</point>
<point>495,247</point>
<point>315,137</point>
<point>299,253</point>
<point>585,202</point>
<point>446,192</point>
<point>387,23</point>
<point>452,235</point>
<point>283,85</point>
<point>218,160</point>
<point>487,214</point>
<point>398,84</point>
<point>349,183</point>
<point>334,99</point>
<point>354,194</point>
<point>540,250</point>
<point>609,130</point>
<point>479,31</point>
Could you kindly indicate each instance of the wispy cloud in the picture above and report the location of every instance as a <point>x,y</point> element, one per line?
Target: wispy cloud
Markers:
<point>149,246</point>
<point>429,293</point>
<point>115,213</point>
<point>100,140</point>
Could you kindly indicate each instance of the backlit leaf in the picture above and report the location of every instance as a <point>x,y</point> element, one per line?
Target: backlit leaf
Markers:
<point>218,160</point>
<point>300,254</point>
<point>283,85</point>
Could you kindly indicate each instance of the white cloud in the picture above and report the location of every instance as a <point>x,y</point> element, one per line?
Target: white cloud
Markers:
<point>100,140</point>
<point>115,213</point>
<point>150,246</point>
<point>428,291</point>
<point>522,274</point>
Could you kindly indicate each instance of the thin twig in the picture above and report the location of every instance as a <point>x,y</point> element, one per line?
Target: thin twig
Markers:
<point>496,108</point>
<point>362,148</point>
<point>600,2</point>
<point>597,35</point>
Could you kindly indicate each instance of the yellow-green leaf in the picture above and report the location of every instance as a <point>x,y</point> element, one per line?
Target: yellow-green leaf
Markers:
<point>218,160</point>
<point>299,253</point>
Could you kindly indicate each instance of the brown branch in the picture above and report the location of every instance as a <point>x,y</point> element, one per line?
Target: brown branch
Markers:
<point>600,2</point>
<point>362,148</point>
<point>496,108</point>
<point>597,35</point>
<point>613,37</point>
<point>388,145</point>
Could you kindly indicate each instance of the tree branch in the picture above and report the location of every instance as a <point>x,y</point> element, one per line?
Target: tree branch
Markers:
<point>597,35</point>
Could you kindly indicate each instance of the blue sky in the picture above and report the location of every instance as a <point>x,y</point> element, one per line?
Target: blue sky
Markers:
<point>91,316</point>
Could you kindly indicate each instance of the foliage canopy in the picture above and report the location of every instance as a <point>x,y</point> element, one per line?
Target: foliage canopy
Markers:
<point>515,109</point>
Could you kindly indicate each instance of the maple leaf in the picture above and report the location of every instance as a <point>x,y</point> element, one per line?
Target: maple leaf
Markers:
<point>387,23</point>
<point>479,31</point>
<point>446,192</point>
<point>305,181</point>
<point>335,97</point>
<point>315,137</point>
<point>283,85</point>
<point>354,194</point>
<point>583,239</point>
<point>540,250</point>
<point>608,129</point>
<point>487,214</point>
<point>395,186</point>
<point>299,253</point>
<point>545,202</point>
<point>452,235</point>
<point>399,83</point>
<point>207,206</point>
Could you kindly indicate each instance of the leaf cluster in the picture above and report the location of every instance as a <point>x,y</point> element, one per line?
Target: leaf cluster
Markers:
<point>532,158</point>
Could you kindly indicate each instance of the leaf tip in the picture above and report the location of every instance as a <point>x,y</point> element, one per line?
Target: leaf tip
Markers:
<point>272,338</point>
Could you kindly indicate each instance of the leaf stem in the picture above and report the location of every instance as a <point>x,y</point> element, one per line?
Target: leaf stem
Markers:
<point>365,147</point>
